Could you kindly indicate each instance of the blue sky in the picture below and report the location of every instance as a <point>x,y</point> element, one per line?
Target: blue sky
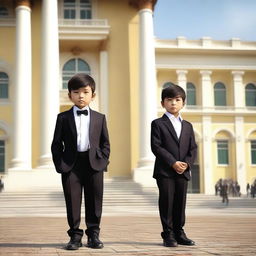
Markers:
<point>218,19</point>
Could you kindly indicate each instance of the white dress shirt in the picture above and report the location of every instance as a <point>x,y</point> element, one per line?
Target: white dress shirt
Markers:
<point>82,129</point>
<point>176,122</point>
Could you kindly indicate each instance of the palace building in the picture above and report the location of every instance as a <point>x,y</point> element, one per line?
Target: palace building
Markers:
<point>44,42</point>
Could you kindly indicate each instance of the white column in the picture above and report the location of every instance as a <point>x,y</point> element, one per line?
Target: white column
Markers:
<point>207,89</point>
<point>22,100</point>
<point>148,96</point>
<point>148,93</point>
<point>103,88</point>
<point>182,79</point>
<point>207,155</point>
<point>49,79</point>
<point>239,93</point>
<point>240,154</point>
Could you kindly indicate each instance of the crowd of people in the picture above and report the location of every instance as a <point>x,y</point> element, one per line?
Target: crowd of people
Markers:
<point>229,187</point>
<point>251,189</point>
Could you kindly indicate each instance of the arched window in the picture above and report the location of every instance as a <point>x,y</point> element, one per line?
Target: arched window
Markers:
<point>167,84</point>
<point>72,67</point>
<point>4,81</point>
<point>250,95</point>
<point>220,94</point>
<point>3,11</point>
<point>77,9</point>
<point>191,94</point>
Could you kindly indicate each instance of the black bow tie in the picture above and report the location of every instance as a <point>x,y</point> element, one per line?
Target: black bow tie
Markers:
<point>82,112</point>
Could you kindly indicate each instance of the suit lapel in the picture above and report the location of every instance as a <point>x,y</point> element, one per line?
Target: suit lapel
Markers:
<point>72,123</point>
<point>167,122</point>
<point>184,128</point>
<point>92,125</point>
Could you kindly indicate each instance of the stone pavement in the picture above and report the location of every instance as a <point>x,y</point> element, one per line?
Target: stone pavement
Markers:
<point>128,236</point>
<point>33,223</point>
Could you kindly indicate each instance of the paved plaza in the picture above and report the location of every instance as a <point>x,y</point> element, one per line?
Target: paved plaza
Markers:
<point>126,235</point>
<point>33,223</point>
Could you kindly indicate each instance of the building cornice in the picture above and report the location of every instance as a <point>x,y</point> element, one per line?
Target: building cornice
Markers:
<point>27,3</point>
<point>205,44</point>
<point>143,4</point>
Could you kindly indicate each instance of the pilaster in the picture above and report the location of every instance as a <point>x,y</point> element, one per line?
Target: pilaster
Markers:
<point>239,93</point>
<point>207,154</point>
<point>182,79</point>
<point>207,89</point>
<point>240,154</point>
<point>104,82</point>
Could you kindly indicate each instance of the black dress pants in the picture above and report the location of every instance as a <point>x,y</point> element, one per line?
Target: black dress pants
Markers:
<point>172,203</point>
<point>83,178</point>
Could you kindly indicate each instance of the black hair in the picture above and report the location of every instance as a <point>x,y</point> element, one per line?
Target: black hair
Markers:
<point>80,80</point>
<point>173,91</point>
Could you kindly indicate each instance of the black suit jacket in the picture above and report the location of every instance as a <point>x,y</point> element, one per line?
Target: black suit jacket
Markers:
<point>168,148</point>
<point>64,144</point>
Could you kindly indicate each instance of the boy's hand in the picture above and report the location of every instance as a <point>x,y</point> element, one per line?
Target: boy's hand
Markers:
<point>180,167</point>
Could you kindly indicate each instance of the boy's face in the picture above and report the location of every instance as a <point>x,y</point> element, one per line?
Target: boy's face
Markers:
<point>82,97</point>
<point>173,105</point>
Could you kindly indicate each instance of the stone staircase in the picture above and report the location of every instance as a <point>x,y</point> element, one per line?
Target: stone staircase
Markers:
<point>121,197</point>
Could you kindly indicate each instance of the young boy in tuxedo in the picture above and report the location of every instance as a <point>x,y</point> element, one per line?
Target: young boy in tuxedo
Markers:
<point>80,151</point>
<point>173,144</point>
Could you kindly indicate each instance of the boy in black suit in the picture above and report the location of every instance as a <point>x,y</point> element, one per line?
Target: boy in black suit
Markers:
<point>80,151</point>
<point>173,144</point>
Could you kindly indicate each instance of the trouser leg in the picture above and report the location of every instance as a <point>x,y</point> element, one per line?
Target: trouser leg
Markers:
<point>72,188</point>
<point>179,203</point>
<point>93,195</point>
<point>166,188</point>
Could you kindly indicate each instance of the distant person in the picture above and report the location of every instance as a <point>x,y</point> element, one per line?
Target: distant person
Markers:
<point>238,188</point>
<point>80,150</point>
<point>248,189</point>
<point>224,192</point>
<point>1,184</point>
<point>253,189</point>
<point>173,144</point>
<point>217,187</point>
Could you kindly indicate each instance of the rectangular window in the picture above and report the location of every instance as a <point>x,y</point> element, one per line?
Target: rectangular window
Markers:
<point>2,155</point>
<point>222,148</point>
<point>69,9</point>
<point>85,9</point>
<point>220,97</point>
<point>191,97</point>
<point>253,151</point>
<point>3,91</point>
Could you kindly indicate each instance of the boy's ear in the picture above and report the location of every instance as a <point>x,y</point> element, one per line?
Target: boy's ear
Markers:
<point>93,95</point>
<point>69,95</point>
<point>162,103</point>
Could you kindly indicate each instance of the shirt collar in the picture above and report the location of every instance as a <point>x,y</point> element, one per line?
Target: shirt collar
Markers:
<point>172,117</point>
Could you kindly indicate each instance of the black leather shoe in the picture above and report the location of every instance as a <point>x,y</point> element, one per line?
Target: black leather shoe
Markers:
<point>73,244</point>
<point>170,242</point>
<point>182,239</point>
<point>94,241</point>
<point>168,239</point>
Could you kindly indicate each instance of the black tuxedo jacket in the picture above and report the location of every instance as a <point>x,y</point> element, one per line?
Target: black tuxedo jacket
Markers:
<point>168,148</point>
<point>64,144</point>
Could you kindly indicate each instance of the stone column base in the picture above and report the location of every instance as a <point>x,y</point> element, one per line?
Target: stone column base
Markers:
<point>31,180</point>
<point>143,176</point>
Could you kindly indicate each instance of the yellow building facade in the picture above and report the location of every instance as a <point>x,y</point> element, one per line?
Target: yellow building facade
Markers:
<point>46,42</point>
